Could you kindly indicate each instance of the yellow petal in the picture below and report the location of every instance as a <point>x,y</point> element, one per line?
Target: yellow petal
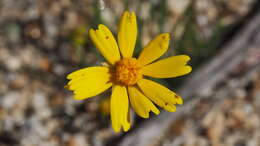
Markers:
<point>105,42</point>
<point>159,94</point>
<point>119,108</point>
<point>127,34</point>
<point>89,82</point>
<point>140,103</point>
<point>154,49</point>
<point>88,75</point>
<point>167,68</point>
<point>88,71</point>
<point>88,91</point>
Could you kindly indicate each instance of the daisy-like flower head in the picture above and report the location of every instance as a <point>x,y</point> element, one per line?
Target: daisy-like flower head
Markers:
<point>126,75</point>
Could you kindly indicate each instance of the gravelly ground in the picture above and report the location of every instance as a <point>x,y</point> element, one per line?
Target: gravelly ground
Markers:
<point>228,117</point>
<point>42,41</point>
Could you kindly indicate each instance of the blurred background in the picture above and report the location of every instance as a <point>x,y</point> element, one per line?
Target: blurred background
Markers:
<point>41,41</point>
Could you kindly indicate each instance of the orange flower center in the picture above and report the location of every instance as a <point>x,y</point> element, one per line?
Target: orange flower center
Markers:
<point>127,71</point>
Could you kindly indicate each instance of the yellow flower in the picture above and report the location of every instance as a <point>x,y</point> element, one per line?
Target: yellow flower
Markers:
<point>125,74</point>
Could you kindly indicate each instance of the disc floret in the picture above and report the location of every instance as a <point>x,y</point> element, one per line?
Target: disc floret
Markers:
<point>127,71</point>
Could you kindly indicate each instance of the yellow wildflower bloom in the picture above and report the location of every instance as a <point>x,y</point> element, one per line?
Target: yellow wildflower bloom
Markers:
<point>125,74</point>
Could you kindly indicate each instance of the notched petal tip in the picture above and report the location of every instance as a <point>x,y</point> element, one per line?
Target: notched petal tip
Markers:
<point>132,17</point>
<point>155,111</point>
<point>164,43</point>
<point>179,101</point>
<point>170,108</point>
<point>129,14</point>
<point>145,116</point>
<point>67,87</point>
<point>186,58</point>
<point>71,75</point>
<point>126,127</point>
<point>188,69</point>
